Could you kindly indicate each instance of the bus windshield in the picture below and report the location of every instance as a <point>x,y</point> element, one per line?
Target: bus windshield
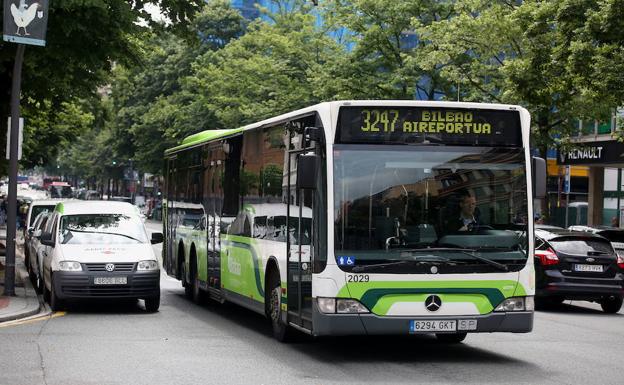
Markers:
<point>418,203</point>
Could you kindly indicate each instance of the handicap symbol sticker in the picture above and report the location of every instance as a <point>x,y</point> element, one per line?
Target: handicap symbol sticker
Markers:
<point>346,260</point>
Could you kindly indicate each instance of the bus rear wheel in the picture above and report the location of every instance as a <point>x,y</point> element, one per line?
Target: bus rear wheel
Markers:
<point>451,338</point>
<point>274,310</point>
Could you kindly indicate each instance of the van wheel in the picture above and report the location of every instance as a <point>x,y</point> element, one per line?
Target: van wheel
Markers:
<point>611,304</point>
<point>38,283</point>
<point>56,304</point>
<point>273,298</point>
<point>152,304</point>
<point>46,292</point>
<point>451,338</point>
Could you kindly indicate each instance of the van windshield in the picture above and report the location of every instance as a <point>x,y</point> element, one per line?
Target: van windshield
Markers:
<point>102,229</point>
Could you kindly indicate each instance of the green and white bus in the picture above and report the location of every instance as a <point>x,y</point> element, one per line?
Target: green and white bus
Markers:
<point>361,217</point>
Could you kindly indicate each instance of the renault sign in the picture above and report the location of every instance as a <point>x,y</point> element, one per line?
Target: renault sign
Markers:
<point>25,21</point>
<point>588,153</point>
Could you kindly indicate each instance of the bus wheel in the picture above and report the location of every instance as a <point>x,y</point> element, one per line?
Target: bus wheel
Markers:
<point>196,291</point>
<point>188,292</point>
<point>274,300</point>
<point>451,338</point>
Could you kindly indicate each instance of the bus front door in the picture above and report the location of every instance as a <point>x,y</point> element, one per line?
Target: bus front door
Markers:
<point>299,269</point>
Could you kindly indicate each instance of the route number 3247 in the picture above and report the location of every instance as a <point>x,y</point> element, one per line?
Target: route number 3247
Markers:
<point>358,278</point>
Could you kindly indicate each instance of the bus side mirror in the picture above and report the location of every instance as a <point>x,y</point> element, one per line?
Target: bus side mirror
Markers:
<point>539,178</point>
<point>307,170</point>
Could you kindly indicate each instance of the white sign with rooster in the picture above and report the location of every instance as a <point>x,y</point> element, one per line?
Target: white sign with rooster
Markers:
<point>25,21</point>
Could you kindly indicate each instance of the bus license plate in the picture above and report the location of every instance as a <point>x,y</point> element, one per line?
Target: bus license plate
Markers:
<point>433,326</point>
<point>110,280</point>
<point>594,268</point>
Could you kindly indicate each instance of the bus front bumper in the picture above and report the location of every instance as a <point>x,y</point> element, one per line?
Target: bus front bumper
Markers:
<point>371,324</point>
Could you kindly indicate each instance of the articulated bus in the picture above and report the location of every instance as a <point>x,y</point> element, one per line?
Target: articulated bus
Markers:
<point>361,217</point>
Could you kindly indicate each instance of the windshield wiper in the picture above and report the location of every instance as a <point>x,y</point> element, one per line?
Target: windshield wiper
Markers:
<point>101,232</point>
<point>409,262</point>
<point>469,252</point>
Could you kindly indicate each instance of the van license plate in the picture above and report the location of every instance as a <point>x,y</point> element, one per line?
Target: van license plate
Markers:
<point>110,280</point>
<point>433,326</point>
<point>593,268</point>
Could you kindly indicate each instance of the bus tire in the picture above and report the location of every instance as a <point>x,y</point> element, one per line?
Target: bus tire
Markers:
<point>454,338</point>
<point>188,292</point>
<point>196,292</point>
<point>273,299</point>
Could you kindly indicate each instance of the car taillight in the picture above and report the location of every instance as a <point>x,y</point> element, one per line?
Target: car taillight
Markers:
<point>620,262</point>
<point>547,257</point>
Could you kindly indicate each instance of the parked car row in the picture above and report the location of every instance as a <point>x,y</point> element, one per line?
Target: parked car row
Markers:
<point>580,263</point>
<point>91,249</point>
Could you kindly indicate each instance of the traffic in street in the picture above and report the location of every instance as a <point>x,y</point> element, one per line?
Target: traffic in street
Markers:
<point>119,343</point>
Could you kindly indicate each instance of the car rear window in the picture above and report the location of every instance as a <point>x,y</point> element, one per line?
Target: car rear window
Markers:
<point>581,246</point>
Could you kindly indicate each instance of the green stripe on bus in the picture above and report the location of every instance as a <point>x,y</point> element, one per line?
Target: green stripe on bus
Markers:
<point>370,293</point>
<point>480,301</point>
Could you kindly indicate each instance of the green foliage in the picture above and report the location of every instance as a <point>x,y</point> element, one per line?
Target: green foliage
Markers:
<point>266,72</point>
<point>562,59</point>
<point>84,38</point>
<point>382,63</point>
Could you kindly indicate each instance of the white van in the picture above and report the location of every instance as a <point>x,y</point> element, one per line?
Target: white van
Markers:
<point>99,249</point>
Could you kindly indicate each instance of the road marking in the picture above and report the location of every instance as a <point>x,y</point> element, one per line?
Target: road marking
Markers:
<point>33,319</point>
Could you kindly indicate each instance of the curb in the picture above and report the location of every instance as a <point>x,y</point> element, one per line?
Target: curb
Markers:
<point>29,294</point>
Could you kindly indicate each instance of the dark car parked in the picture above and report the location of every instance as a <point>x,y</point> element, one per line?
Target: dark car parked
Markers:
<point>579,266</point>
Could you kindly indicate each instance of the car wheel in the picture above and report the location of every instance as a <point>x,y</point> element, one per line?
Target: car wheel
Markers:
<point>38,283</point>
<point>611,304</point>
<point>56,304</point>
<point>451,338</point>
<point>273,298</point>
<point>152,303</point>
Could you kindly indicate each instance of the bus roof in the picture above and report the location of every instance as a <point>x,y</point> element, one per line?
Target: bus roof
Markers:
<point>208,135</point>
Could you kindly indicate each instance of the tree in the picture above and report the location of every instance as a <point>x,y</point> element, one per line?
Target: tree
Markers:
<point>84,39</point>
<point>380,63</point>
<point>267,71</point>
<point>152,109</point>
<point>561,59</point>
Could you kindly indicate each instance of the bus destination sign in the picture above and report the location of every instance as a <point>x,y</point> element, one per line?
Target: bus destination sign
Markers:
<point>455,126</point>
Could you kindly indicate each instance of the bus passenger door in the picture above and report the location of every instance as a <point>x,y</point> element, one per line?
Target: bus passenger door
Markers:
<point>299,269</point>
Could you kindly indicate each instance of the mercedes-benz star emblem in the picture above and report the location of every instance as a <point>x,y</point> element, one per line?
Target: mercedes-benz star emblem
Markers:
<point>433,303</point>
<point>109,267</point>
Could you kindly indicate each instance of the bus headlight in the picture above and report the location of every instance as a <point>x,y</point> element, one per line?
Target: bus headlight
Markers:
<point>516,304</point>
<point>340,306</point>
<point>70,266</point>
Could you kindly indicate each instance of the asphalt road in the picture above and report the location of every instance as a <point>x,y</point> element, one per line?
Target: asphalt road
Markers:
<point>118,343</point>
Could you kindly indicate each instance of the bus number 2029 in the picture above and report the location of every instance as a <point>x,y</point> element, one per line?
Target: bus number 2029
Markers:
<point>358,278</point>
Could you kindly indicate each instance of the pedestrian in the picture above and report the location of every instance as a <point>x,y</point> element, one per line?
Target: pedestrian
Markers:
<point>3,210</point>
<point>539,219</point>
<point>615,222</point>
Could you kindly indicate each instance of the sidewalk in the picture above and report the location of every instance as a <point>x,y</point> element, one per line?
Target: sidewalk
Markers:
<point>25,303</point>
